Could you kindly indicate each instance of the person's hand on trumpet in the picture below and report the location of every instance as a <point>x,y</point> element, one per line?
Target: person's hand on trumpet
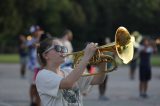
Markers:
<point>90,50</point>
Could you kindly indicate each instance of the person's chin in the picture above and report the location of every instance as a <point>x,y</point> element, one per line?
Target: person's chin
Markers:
<point>62,61</point>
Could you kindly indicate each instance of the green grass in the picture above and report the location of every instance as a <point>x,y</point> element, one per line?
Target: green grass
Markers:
<point>14,58</point>
<point>155,60</point>
<point>9,58</point>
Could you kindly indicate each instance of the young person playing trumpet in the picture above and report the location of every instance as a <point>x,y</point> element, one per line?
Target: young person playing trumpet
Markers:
<point>64,87</point>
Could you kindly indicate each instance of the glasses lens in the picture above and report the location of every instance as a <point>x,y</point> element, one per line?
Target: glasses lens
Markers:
<point>58,48</point>
<point>64,49</point>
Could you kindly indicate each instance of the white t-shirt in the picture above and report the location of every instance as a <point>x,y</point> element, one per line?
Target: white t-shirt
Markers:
<point>48,82</point>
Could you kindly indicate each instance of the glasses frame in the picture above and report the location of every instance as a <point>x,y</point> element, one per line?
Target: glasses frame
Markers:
<point>57,48</point>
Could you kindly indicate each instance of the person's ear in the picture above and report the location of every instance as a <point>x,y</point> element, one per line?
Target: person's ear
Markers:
<point>45,56</point>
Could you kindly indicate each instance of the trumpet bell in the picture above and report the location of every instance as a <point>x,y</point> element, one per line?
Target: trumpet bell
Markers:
<point>124,44</point>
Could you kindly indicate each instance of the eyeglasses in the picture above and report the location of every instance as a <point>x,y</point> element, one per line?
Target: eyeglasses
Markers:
<point>57,48</point>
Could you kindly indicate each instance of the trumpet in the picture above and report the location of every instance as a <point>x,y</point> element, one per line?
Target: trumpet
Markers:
<point>123,47</point>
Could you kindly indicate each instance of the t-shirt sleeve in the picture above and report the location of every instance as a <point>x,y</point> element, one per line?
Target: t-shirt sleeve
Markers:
<point>48,84</point>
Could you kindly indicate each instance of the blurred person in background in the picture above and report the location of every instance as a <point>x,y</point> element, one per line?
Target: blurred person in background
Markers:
<point>103,87</point>
<point>66,39</point>
<point>145,52</point>
<point>22,50</point>
<point>133,63</point>
<point>33,64</point>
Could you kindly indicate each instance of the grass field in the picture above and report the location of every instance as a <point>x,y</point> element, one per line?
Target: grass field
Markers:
<point>14,58</point>
<point>155,60</point>
<point>9,58</point>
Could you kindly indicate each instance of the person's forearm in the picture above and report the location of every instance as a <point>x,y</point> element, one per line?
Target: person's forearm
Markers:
<point>76,73</point>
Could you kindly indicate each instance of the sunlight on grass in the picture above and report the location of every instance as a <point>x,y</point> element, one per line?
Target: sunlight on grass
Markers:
<point>155,60</point>
<point>14,58</point>
<point>9,58</point>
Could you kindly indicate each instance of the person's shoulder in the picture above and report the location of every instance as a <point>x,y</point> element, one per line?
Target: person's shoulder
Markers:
<point>44,75</point>
<point>66,42</point>
<point>44,72</point>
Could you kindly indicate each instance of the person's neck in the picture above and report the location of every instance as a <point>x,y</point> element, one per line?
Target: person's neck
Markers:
<point>53,67</point>
<point>65,38</point>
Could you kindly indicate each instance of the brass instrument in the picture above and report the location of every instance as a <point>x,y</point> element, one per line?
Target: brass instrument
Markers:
<point>123,47</point>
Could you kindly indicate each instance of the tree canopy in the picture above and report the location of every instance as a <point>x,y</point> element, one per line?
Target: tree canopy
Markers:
<point>89,20</point>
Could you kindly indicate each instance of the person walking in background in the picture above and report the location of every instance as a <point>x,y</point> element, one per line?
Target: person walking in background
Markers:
<point>66,39</point>
<point>103,87</point>
<point>22,49</point>
<point>133,65</point>
<point>33,64</point>
<point>133,62</point>
<point>63,86</point>
<point>145,51</point>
